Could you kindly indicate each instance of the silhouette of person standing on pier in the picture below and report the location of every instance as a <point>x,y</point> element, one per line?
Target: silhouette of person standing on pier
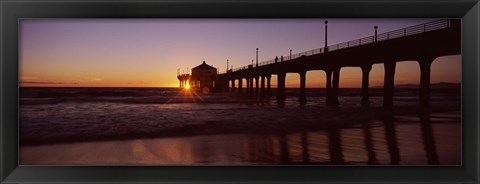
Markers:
<point>276,59</point>
<point>281,58</point>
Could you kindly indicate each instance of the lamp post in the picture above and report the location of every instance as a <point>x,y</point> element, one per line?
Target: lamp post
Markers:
<point>290,53</point>
<point>227,65</point>
<point>257,57</point>
<point>326,27</point>
<point>375,33</point>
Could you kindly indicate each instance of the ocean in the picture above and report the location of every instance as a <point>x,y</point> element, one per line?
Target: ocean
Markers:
<point>170,126</point>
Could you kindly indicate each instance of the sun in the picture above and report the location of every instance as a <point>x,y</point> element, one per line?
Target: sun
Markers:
<point>187,86</point>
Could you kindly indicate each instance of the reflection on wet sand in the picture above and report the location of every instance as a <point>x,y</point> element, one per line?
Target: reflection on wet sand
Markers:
<point>372,158</point>
<point>405,140</point>
<point>391,137</point>
<point>428,141</point>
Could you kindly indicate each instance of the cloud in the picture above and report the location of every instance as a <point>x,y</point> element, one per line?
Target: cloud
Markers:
<point>95,79</point>
<point>140,82</point>
<point>26,78</point>
<point>42,82</point>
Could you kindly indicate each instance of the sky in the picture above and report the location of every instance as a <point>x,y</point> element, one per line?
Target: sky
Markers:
<point>149,52</point>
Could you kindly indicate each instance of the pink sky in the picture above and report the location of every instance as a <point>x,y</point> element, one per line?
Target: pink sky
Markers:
<point>148,52</point>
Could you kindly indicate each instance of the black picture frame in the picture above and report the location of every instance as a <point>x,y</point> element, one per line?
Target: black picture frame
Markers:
<point>12,10</point>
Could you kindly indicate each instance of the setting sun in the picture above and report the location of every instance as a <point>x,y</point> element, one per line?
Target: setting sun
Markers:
<point>187,86</point>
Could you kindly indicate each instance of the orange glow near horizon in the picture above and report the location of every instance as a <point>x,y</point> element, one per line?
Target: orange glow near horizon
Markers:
<point>407,72</point>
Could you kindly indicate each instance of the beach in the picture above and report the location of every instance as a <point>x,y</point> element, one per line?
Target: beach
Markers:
<point>168,126</point>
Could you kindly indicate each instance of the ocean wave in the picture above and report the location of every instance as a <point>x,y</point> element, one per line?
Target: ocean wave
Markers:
<point>73,122</point>
<point>134,100</point>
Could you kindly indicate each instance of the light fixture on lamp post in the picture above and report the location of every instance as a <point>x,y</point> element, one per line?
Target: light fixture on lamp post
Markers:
<point>257,57</point>
<point>326,30</point>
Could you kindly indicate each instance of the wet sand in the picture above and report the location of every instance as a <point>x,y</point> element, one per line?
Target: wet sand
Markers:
<point>402,139</point>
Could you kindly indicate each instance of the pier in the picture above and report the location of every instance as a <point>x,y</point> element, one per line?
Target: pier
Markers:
<point>183,78</point>
<point>422,43</point>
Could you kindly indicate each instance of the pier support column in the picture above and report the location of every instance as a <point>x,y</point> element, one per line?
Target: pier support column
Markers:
<point>233,85</point>
<point>388,84</point>
<point>365,79</point>
<point>281,87</point>
<point>256,85</point>
<point>240,85</point>
<point>248,85</point>
<point>251,86</point>
<point>336,80</point>
<point>262,85</point>
<point>328,87</point>
<point>425,64</point>
<point>268,84</point>
<point>303,98</point>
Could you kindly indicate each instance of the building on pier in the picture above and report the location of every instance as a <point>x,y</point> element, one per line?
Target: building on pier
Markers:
<point>202,78</point>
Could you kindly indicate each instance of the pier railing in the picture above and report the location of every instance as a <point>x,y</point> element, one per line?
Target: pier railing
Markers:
<point>408,31</point>
<point>183,75</point>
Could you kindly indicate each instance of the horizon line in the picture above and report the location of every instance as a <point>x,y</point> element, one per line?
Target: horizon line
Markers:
<point>410,84</point>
